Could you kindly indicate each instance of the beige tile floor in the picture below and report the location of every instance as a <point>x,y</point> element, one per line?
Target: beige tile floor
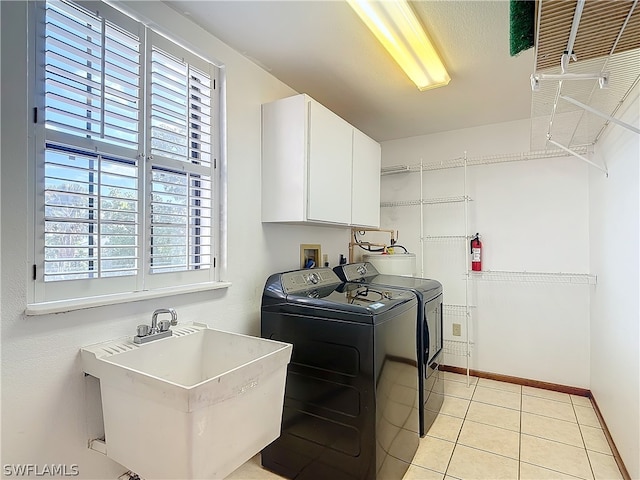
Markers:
<point>493,430</point>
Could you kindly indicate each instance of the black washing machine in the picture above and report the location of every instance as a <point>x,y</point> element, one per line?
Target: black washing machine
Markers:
<point>428,330</point>
<point>351,397</point>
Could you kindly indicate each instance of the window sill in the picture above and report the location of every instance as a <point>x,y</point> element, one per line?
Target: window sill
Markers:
<point>62,306</point>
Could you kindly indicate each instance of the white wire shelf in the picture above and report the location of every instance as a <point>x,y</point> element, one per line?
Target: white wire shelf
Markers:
<point>446,237</point>
<point>426,201</point>
<point>455,310</point>
<point>457,347</point>
<point>482,160</point>
<point>394,169</point>
<point>534,277</point>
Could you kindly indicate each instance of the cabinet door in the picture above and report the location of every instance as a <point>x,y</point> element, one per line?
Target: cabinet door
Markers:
<point>365,200</point>
<point>284,160</point>
<point>329,173</point>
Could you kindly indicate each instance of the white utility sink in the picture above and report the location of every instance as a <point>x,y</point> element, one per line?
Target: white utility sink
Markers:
<point>197,404</point>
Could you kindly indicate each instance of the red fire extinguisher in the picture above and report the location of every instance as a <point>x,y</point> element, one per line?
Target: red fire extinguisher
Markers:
<point>476,253</point>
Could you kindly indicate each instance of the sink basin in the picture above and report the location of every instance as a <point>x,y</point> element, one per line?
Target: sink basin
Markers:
<point>197,404</point>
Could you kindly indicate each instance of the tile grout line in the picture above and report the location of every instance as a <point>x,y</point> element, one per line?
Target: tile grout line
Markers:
<point>574,410</point>
<point>586,452</point>
<point>532,435</point>
<point>549,416</point>
<point>496,405</point>
<point>521,413</point>
<point>520,436</point>
<point>461,427</point>
<point>563,443</point>
<point>572,476</point>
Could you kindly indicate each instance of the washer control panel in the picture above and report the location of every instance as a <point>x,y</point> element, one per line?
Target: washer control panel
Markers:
<point>302,280</point>
<point>354,272</point>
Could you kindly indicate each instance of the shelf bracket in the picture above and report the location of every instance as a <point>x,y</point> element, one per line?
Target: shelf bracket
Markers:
<point>609,118</point>
<point>536,78</point>
<point>568,54</point>
<point>581,157</point>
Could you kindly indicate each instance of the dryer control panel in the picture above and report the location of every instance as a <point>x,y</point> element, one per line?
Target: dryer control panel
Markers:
<point>356,272</point>
<point>302,280</point>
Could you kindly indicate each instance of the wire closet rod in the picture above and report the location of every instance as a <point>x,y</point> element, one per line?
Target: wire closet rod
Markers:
<point>459,162</point>
<point>609,118</point>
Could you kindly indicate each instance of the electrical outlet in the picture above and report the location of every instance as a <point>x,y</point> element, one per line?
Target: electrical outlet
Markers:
<point>457,330</point>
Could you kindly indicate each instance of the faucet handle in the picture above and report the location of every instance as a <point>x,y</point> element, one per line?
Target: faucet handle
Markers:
<point>163,325</point>
<point>143,330</point>
<point>174,316</point>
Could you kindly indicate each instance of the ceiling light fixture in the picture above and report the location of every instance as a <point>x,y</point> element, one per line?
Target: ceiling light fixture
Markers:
<point>397,28</point>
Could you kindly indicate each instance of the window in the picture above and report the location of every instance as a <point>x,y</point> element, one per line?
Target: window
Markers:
<point>125,157</point>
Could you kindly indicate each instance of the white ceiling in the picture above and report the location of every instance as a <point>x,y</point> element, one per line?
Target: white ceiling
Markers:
<point>322,48</point>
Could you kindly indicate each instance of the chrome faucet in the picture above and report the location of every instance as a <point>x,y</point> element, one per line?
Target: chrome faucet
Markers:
<point>157,330</point>
<point>154,319</point>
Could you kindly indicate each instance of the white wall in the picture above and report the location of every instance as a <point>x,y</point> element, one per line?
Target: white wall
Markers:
<point>42,382</point>
<point>615,314</point>
<point>532,216</point>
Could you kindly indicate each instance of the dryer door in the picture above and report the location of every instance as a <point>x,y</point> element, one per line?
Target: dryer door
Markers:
<point>432,329</point>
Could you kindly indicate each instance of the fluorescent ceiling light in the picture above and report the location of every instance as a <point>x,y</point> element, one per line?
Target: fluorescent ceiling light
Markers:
<point>397,28</point>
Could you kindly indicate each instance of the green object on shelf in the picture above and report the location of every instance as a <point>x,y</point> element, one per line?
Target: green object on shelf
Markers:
<point>522,15</point>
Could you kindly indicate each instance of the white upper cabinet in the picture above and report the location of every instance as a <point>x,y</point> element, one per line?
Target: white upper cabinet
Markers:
<point>330,150</point>
<point>365,191</point>
<point>284,168</point>
<point>308,155</point>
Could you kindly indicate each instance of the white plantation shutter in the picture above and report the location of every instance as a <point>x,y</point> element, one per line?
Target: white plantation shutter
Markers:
<point>112,207</point>
<point>180,110</point>
<point>91,191</point>
<point>92,77</point>
<point>180,221</point>
<point>180,144</point>
<point>90,215</point>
